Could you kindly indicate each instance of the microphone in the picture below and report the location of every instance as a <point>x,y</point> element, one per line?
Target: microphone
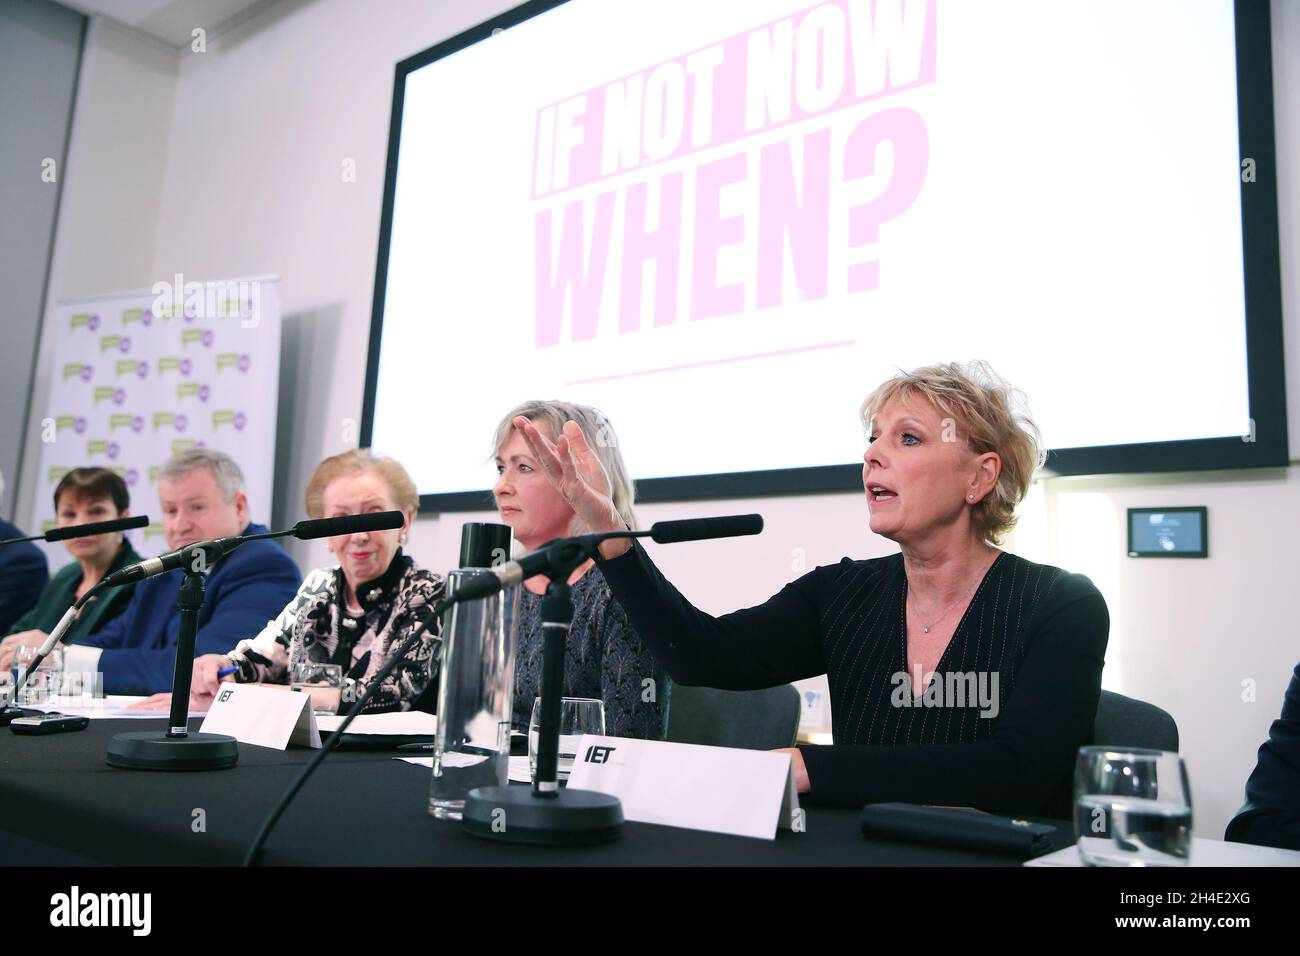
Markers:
<point>564,551</point>
<point>96,527</point>
<point>83,530</point>
<point>512,573</point>
<point>204,554</point>
<point>198,556</point>
<point>207,552</point>
<point>348,524</point>
<point>701,529</point>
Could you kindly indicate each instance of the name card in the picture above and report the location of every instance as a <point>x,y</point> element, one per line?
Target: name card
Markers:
<point>263,716</point>
<point>720,789</point>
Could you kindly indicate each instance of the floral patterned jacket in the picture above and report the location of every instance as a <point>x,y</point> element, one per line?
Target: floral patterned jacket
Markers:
<point>315,627</point>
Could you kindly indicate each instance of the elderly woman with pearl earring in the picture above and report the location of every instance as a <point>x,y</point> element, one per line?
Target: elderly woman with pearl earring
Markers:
<point>356,614</point>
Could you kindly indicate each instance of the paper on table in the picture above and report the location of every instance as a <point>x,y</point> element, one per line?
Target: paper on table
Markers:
<point>748,793</point>
<point>263,717</point>
<point>404,723</point>
<point>518,766</point>
<point>1204,853</point>
<point>112,707</point>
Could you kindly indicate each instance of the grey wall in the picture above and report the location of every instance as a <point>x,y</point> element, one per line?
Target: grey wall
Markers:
<point>40,48</point>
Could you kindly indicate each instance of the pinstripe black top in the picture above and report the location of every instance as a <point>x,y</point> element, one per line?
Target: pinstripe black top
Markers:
<point>1013,699</point>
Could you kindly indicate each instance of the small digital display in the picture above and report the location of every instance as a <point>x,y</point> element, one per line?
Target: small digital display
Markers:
<point>1167,533</point>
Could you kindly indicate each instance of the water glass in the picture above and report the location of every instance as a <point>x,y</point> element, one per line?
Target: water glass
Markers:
<point>43,685</point>
<point>578,716</point>
<point>1132,807</point>
<point>307,676</point>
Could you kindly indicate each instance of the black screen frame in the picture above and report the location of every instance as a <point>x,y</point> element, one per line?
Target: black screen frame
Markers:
<point>1265,447</point>
<point>1200,511</point>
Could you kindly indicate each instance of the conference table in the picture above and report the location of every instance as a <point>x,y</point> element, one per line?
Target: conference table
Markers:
<point>61,803</point>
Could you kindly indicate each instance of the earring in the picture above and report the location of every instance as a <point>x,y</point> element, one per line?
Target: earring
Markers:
<point>971,497</point>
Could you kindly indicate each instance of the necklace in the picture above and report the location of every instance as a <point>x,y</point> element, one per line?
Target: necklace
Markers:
<point>925,628</point>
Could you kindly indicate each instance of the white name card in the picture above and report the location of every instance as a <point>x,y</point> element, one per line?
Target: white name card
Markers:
<point>263,716</point>
<point>719,789</point>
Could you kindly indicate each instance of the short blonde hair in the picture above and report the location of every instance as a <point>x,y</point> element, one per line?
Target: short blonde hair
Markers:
<point>991,415</point>
<point>600,436</point>
<point>354,462</point>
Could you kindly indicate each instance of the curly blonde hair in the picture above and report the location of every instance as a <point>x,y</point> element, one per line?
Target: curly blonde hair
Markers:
<point>353,462</point>
<point>991,415</point>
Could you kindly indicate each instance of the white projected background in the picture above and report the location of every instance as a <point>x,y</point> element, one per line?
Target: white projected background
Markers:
<point>724,224</point>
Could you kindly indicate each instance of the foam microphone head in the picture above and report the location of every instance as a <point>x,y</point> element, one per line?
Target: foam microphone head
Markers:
<point>96,527</point>
<point>700,529</point>
<point>348,524</point>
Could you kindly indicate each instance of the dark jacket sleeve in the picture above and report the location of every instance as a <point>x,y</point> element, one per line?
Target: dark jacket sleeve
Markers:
<point>1271,814</point>
<point>114,632</point>
<point>248,593</point>
<point>24,574</point>
<point>1033,747</point>
<point>773,643</point>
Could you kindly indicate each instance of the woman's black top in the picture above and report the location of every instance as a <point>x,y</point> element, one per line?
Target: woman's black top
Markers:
<point>1014,697</point>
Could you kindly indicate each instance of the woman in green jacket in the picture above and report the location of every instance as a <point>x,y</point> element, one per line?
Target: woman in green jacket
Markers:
<point>82,496</point>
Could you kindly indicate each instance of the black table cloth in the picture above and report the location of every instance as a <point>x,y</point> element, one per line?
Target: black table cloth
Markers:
<point>60,803</point>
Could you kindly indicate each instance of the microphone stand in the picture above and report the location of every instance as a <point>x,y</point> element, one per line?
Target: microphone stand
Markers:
<point>330,741</point>
<point>177,748</point>
<point>546,814</point>
<point>8,713</point>
<point>69,617</point>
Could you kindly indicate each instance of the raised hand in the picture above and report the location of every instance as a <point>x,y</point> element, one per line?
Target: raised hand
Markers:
<point>573,470</point>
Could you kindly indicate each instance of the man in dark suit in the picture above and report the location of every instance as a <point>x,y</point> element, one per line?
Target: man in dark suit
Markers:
<point>201,494</point>
<point>24,572</point>
<point>1271,814</point>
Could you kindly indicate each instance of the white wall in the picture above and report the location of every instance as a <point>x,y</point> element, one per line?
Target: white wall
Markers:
<point>40,50</point>
<point>109,211</point>
<point>244,176</point>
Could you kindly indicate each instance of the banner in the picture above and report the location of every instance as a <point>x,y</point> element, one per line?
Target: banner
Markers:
<point>139,377</point>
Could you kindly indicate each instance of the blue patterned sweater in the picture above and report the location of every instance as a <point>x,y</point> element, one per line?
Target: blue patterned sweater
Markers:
<point>604,659</point>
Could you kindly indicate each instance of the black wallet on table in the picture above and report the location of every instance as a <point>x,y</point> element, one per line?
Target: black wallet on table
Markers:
<point>961,829</point>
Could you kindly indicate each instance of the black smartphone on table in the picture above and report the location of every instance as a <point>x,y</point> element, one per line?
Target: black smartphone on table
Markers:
<point>48,724</point>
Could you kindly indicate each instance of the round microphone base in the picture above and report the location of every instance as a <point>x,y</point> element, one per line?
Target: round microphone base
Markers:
<point>569,818</point>
<point>154,750</point>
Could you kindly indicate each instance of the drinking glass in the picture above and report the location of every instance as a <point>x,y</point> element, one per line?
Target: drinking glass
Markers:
<point>1132,807</point>
<point>307,676</point>
<point>578,716</point>
<point>43,685</point>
